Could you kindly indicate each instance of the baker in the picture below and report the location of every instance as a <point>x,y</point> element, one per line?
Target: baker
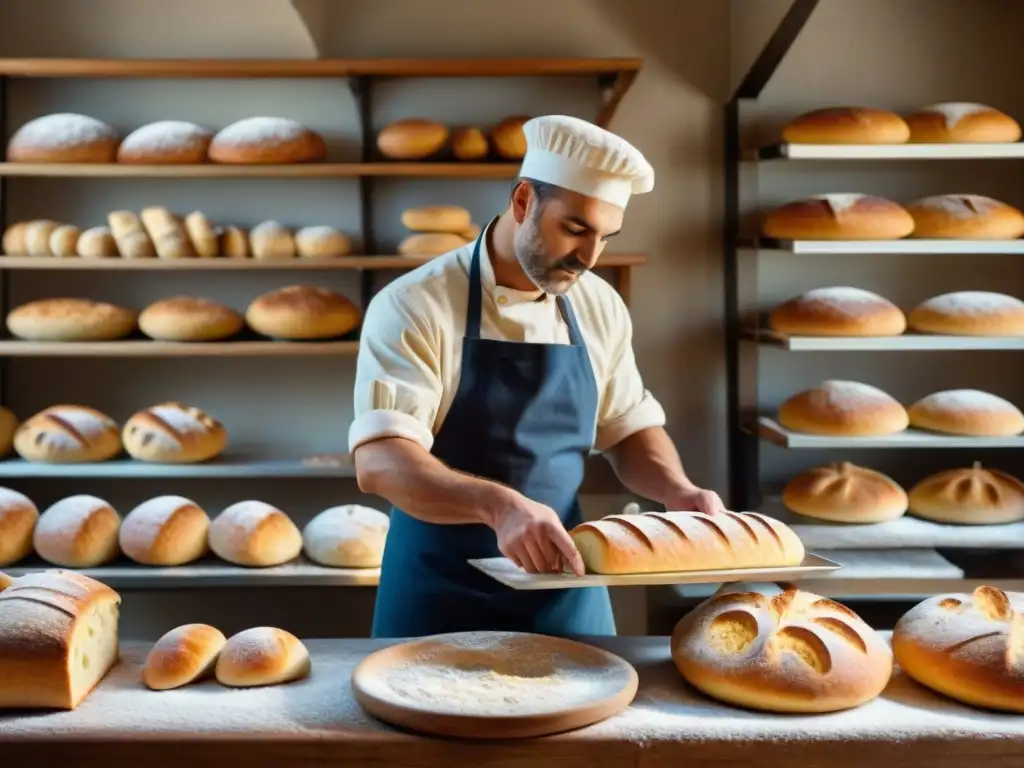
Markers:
<point>485,378</point>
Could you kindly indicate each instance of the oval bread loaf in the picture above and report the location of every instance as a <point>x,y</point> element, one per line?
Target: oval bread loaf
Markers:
<point>965,217</point>
<point>8,427</point>
<point>430,244</point>
<point>186,654</point>
<point>509,139</point>
<point>321,242</point>
<point>838,311</point>
<point>845,493</point>
<point>254,533</point>
<point>267,140</point>
<point>70,320</point>
<point>64,137</point>
<point>969,496</point>
<point>969,313</point>
<point>174,433</point>
<point>189,318</point>
<point>133,242</point>
<point>847,125</point>
<point>847,408</point>
<point>37,237</point>
<point>959,122</point>
<point>437,218</point>
<point>968,412</point>
<point>851,216</point>
<point>412,139</point>
<point>348,536</point>
<point>303,312</point>
<point>67,434</point>
<point>202,235</point>
<point>166,531</point>
<point>165,142</point>
<point>469,144</point>
<point>271,240</point>
<point>64,240</point>
<point>77,532</point>
<point>262,656</point>
<point>18,516</point>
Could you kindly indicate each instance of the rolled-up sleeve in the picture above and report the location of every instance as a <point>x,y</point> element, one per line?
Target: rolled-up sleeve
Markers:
<point>398,385</point>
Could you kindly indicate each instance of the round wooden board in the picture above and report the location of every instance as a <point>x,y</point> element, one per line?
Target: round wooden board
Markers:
<point>493,685</point>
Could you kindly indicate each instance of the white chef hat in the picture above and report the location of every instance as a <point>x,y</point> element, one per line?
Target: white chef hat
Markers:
<point>579,156</point>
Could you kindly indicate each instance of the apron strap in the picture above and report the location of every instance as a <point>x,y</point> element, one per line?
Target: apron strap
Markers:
<point>569,316</point>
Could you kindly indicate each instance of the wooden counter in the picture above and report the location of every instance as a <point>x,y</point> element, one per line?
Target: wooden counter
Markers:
<point>317,723</point>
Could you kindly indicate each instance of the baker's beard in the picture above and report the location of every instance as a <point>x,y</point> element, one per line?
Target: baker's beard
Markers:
<point>553,276</point>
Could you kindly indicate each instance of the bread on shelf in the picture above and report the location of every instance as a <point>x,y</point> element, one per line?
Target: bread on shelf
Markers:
<point>65,319</point>
<point>430,244</point>
<point>271,240</point>
<point>961,122</point>
<point>8,427</point>
<point>967,412</point>
<point>97,243</point>
<point>170,240</point>
<point>254,534</point>
<point>133,242</point>
<point>969,496</point>
<point>843,492</point>
<point>965,217</point>
<point>189,318</point>
<point>321,242</point>
<point>67,434</point>
<point>37,237</point>
<point>15,239</point>
<point>837,311</point>
<point>303,312</point>
<point>165,531</point>
<point>18,516</point>
<point>165,142</point>
<point>469,143</point>
<point>843,408</point>
<point>78,531</point>
<point>64,137</point>
<point>347,536</point>
<point>412,139</point>
<point>509,139</point>
<point>187,654</point>
<point>174,433</point>
<point>262,656</point>
<point>437,218</point>
<point>203,236</point>
<point>969,313</point>
<point>267,140</point>
<point>64,240</point>
<point>848,216</point>
<point>847,125</point>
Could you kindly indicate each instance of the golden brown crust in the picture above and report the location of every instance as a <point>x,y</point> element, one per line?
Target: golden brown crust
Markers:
<point>844,216</point>
<point>469,144</point>
<point>165,531</point>
<point>969,496</point>
<point>837,311</point>
<point>165,142</point>
<point>63,319</point>
<point>262,656</point>
<point>509,139</point>
<point>965,217</point>
<point>953,123</point>
<point>189,318</point>
<point>77,531</point>
<point>412,139</point>
<point>18,516</point>
<point>430,244</point>
<point>846,493</point>
<point>63,138</point>
<point>253,533</point>
<point>186,654</point>
<point>264,141</point>
<point>969,412</point>
<point>847,125</point>
<point>847,408</point>
<point>437,218</point>
<point>969,313</point>
<point>67,434</point>
<point>174,433</point>
<point>303,312</point>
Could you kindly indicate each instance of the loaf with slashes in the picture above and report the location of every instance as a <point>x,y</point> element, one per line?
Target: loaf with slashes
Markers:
<point>660,542</point>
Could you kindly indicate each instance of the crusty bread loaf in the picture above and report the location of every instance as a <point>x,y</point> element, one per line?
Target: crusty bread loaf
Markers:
<point>965,217</point>
<point>779,649</point>
<point>349,536</point>
<point>838,311</point>
<point>847,408</point>
<point>846,125</point>
<point>969,412</point>
<point>469,143</point>
<point>969,313</point>
<point>186,654</point>
<point>97,242</point>
<point>509,139</point>
<point>130,235</point>
<point>169,237</point>
<point>8,426</point>
<point>262,656</point>
<point>267,140</point>
<point>437,218</point>
<point>849,216</point>
<point>166,530</point>
<point>655,542</point>
<point>321,242</point>
<point>64,240</point>
<point>189,318</point>
<point>165,142</point>
<point>303,312</point>
<point>63,138</point>
<point>271,240</point>
<point>67,434</point>
<point>253,533</point>
<point>37,237</point>
<point>958,122</point>
<point>234,243</point>
<point>18,516</point>
<point>412,139</point>
<point>77,532</point>
<point>843,492</point>
<point>969,496</point>
<point>15,239</point>
<point>965,646</point>
<point>205,239</point>
<point>62,319</point>
<point>470,233</point>
<point>58,639</point>
<point>430,244</point>
<point>174,433</point>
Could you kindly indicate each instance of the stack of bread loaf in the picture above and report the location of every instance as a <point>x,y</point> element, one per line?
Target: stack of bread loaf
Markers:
<point>437,229</point>
<point>421,139</point>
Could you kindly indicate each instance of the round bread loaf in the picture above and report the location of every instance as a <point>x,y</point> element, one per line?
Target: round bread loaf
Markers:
<point>965,647</point>
<point>846,408</point>
<point>956,122</point>
<point>971,496</point>
<point>97,242</point>
<point>174,433</point>
<point>780,650</point>
<point>70,320</point>
<point>18,516</point>
<point>437,218</point>
<point>969,313</point>
<point>254,534</point>
<point>186,654</point>
<point>965,217</point>
<point>469,144</point>
<point>843,492</point>
<point>430,244</point>
<point>846,125</point>
<point>266,140</point>
<point>838,311</point>
<point>271,240</point>
<point>349,536</point>
<point>188,318</point>
<point>67,434</point>
<point>166,530</point>
<point>303,312</point>
<point>37,237</point>
<point>166,142</point>
<point>77,532</point>
<point>509,139</point>
<point>8,426</point>
<point>321,242</point>
<point>262,656</point>
<point>850,216</point>
<point>969,412</point>
<point>64,240</point>
<point>412,139</point>
<point>64,137</point>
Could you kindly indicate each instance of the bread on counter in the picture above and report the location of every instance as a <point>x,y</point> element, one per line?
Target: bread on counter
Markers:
<point>965,217</point>
<point>847,125</point>
<point>267,140</point>
<point>70,320</point>
<point>63,138</point>
<point>956,122</point>
<point>253,533</point>
<point>843,408</point>
<point>18,516</point>
<point>133,242</point>
<point>969,313</point>
<point>77,532</point>
<point>968,412</point>
<point>969,496</point>
<point>97,242</point>
<point>437,218</point>
<point>509,139</point>
<point>412,139</point>
<point>303,312</point>
<point>185,655</point>
<point>262,656</point>
<point>469,143</point>
<point>189,318</point>
<point>348,536</point>
<point>838,311</point>
<point>67,434</point>
<point>843,492</point>
<point>165,531</point>
<point>165,142</point>
<point>851,216</point>
<point>173,433</point>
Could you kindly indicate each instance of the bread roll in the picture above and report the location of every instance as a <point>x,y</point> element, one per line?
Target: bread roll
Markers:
<point>204,238</point>
<point>37,237</point>
<point>8,426</point>
<point>18,516</point>
<point>15,240</point>
<point>321,243</point>
<point>965,647</point>
<point>166,530</point>
<point>64,240</point>
<point>166,142</point>
<point>77,532</point>
<point>508,138</point>
<point>847,125</point>
<point>412,139</point>
<point>969,313</point>
<point>303,312</point>
<point>267,140</point>
<point>58,639</point>
<point>846,408</point>
<point>270,240</point>
<point>130,236</point>
<point>839,217</point>
<point>775,649</point>
<point>954,123</point>
<point>469,144</point>
<point>255,534</point>
<point>63,138</point>
<point>234,243</point>
<point>67,434</point>
<point>262,656</point>
<point>169,237</point>
<point>97,243</point>
<point>188,318</point>
<point>969,412</point>
<point>430,244</point>
<point>174,433</point>
<point>845,493</point>
<point>437,218</point>
<point>965,217</point>
<point>838,311</point>
<point>349,536</point>
<point>973,496</point>
<point>655,542</point>
<point>186,654</point>
<point>70,320</point>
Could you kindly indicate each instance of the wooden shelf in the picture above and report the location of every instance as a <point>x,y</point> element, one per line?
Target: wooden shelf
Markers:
<point>769,430</point>
<point>909,342</point>
<point>785,151</point>
<point>226,468</point>
<point>228,171</point>
<point>908,246</point>
<point>149,348</point>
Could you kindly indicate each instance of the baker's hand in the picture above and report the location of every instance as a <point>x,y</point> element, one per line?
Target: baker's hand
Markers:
<point>532,537</point>
<point>694,499</point>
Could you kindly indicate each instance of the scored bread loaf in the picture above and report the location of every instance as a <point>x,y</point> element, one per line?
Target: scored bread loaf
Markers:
<point>254,533</point>
<point>849,216</point>
<point>412,139</point>
<point>654,542</point>
<point>266,140</point>
<point>969,313</point>
<point>262,656</point>
<point>186,654</point>
<point>846,125</point>
<point>969,496</point>
<point>64,137</point>
<point>18,517</point>
<point>61,319</point>
<point>166,530</point>
<point>965,217</point>
<point>968,412</point>
<point>189,318</point>
<point>77,532</point>
<point>960,122</point>
<point>845,493</point>
<point>838,311</point>
<point>65,434</point>
<point>173,433</point>
<point>348,536</point>
<point>58,639</point>
<point>848,408</point>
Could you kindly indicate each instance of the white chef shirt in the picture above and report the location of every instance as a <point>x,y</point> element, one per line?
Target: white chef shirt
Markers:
<point>411,348</point>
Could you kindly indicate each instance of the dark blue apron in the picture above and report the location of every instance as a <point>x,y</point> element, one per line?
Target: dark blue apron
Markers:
<point>524,416</point>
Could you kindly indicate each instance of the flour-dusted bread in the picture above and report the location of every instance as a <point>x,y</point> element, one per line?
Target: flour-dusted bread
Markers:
<point>165,142</point>
<point>64,137</point>
<point>412,139</point>
<point>67,434</point>
<point>847,216</point>
<point>845,493</point>
<point>779,649</point>
<point>189,318</point>
<point>655,542</point>
<point>58,639</point>
<point>255,534</point>
<point>321,242</point>
<point>968,412</point>
<point>969,313</point>
<point>969,496</point>
<point>847,125</point>
<point>186,654</point>
<point>77,532</point>
<point>267,140</point>
<point>174,433</point>
<point>965,217</point>
<point>165,531</point>
<point>262,656</point>
<point>846,408</point>
<point>303,312</point>
<point>838,311</point>
<point>349,536</point>
<point>437,218</point>
<point>509,139</point>
<point>70,320</point>
<point>965,646</point>
<point>18,516</point>
<point>961,122</point>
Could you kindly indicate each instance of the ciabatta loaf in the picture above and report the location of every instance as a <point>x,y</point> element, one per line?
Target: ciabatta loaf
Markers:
<point>58,639</point>
<point>655,542</point>
<point>174,433</point>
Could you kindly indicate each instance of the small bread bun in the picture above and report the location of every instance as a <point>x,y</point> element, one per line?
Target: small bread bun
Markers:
<point>321,242</point>
<point>349,536</point>
<point>203,237</point>
<point>63,138</point>
<point>965,217</point>
<point>37,237</point>
<point>271,240</point>
<point>969,412</point>
<point>954,123</point>
<point>77,532</point>
<point>969,313</point>
<point>174,433</point>
<point>64,240</point>
<point>67,434</point>
<point>167,531</point>
<point>469,144</point>
<point>15,241</point>
<point>430,244</point>
<point>8,426</point>
<point>70,320</point>
<point>18,516</point>
<point>262,656</point>
<point>166,142</point>
<point>234,243</point>
<point>267,140</point>
<point>508,138</point>
<point>437,218</point>
<point>850,216</point>
<point>132,240</point>
<point>186,654</point>
<point>846,125</point>
<point>302,312</point>
<point>97,243</point>
<point>189,318</point>
<point>845,493</point>
<point>973,496</point>
<point>846,408</point>
<point>254,534</point>
<point>838,311</point>
<point>412,139</point>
